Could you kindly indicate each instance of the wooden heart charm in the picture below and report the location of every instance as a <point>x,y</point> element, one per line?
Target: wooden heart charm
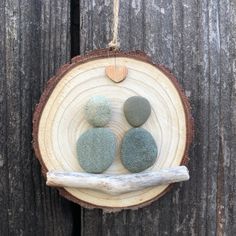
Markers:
<point>116,73</point>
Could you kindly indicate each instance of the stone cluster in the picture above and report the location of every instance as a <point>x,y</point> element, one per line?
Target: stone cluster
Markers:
<point>96,148</point>
<point>138,148</point>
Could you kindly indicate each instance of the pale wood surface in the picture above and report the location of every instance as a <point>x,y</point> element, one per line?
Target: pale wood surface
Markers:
<point>62,122</point>
<point>119,183</point>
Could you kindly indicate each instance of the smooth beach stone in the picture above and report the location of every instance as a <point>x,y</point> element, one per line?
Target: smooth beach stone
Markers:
<point>96,149</point>
<point>98,111</point>
<point>137,109</point>
<point>138,150</point>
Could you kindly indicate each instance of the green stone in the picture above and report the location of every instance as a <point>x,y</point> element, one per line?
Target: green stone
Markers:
<point>98,111</point>
<point>138,150</point>
<point>96,149</point>
<point>137,109</point>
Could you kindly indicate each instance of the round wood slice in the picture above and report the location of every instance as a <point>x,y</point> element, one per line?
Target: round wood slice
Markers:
<point>59,120</point>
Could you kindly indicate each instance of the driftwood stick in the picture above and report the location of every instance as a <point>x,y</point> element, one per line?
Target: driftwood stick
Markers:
<point>117,184</point>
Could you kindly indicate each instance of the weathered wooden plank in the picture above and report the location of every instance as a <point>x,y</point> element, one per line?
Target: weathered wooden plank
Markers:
<point>232,100</point>
<point>25,43</point>
<point>94,222</point>
<point>158,43</point>
<point>34,42</point>
<point>213,115</point>
<point>3,130</point>
<point>226,165</point>
<point>53,51</point>
<point>185,66</point>
<point>98,34</point>
<point>13,142</point>
<point>197,40</point>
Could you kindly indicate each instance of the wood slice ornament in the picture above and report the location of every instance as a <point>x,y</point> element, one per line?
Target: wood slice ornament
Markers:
<point>59,121</point>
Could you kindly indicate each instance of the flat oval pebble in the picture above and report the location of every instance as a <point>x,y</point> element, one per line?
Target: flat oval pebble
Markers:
<point>98,111</point>
<point>138,150</point>
<point>96,149</point>
<point>137,109</point>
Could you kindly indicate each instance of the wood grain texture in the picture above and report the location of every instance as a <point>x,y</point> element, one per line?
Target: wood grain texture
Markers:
<point>197,41</point>
<point>59,120</point>
<point>34,41</point>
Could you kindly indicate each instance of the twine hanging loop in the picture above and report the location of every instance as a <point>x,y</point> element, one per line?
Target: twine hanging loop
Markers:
<point>114,44</point>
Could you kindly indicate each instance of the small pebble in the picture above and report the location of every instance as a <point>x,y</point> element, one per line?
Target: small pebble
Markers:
<point>96,149</point>
<point>98,111</point>
<point>137,109</point>
<point>138,150</point>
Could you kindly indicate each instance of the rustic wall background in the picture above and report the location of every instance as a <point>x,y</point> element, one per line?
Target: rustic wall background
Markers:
<point>195,39</point>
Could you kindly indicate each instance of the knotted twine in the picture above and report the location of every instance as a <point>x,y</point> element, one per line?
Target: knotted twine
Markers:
<point>114,44</point>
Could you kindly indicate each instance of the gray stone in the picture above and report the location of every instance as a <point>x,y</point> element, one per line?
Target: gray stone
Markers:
<point>98,111</point>
<point>138,150</point>
<point>137,109</point>
<point>96,149</point>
